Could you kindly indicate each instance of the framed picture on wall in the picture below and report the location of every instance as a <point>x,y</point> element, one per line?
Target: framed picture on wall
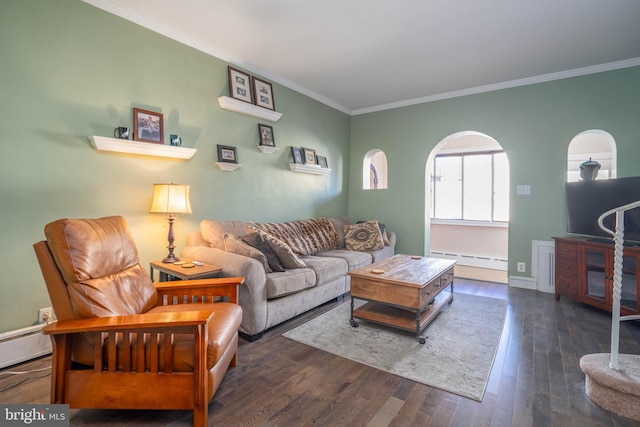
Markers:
<point>266,135</point>
<point>227,154</point>
<point>309,156</point>
<point>322,161</point>
<point>264,94</point>
<point>296,152</point>
<point>148,126</point>
<point>240,85</point>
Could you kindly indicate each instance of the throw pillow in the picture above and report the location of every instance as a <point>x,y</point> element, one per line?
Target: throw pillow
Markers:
<point>284,253</point>
<point>257,241</point>
<point>304,237</point>
<point>385,238</point>
<point>365,236</point>
<point>237,246</point>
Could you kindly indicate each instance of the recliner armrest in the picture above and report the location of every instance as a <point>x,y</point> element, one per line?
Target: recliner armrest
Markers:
<point>139,322</point>
<point>207,288</point>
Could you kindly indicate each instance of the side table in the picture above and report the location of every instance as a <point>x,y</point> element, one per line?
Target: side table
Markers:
<point>169,271</point>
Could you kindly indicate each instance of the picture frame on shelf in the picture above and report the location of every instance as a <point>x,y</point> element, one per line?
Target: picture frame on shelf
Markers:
<point>322,161</point>
<point>227,154</point>
<point>266,135</point>
<point>309,156</point>
<point>263,94</point>
<point>148,126</point>
<point>296,152</point>
<point>240,85</point>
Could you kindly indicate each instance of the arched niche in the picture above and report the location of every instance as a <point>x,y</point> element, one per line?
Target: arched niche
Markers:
<point>374,176</point>
<point>594,144</point>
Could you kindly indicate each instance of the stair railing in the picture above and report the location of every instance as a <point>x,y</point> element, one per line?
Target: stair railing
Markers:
<point>618,238</point>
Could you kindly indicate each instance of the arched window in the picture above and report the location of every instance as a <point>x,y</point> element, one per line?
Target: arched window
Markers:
<point>469,179</point>
<point>594,144</point>
<point>374,170</point>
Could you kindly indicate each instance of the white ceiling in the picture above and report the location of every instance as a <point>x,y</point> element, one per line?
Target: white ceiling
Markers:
<point>366,55</point>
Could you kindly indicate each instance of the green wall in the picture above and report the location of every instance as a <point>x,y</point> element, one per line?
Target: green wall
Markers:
<point>534,124</point>
<point>69,71</point>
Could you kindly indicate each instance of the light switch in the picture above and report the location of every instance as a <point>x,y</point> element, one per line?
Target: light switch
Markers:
<point>523,190</point>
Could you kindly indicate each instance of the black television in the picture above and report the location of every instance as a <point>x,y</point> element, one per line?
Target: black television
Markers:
<point>587,200</point>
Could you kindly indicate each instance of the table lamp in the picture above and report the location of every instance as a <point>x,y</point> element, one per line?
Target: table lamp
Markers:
<point>171,199</point>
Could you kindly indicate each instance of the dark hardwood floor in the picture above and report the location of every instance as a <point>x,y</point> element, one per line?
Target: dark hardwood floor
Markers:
<point>535,380</point>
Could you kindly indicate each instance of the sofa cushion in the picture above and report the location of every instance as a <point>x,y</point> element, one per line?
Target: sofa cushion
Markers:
<point>213,231</point>
<point>258,242</point>
<point>284,253</point>
<point>326,269</point>
<point>354,259</point>
<point>288,282</point>
<point>365,236</point>
<point>304,237</point>
<point>380,254</point>
<point>234,244</point>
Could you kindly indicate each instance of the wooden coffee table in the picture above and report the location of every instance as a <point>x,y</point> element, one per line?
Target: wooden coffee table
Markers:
<point>403,291</point>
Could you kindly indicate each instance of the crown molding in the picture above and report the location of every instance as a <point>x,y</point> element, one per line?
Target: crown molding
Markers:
<point>503,85</point>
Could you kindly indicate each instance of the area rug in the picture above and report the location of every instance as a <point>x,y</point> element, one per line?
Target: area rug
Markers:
<point>457,356</point>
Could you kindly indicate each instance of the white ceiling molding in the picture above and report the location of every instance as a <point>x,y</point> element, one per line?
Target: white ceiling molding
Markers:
<point>504,85</point>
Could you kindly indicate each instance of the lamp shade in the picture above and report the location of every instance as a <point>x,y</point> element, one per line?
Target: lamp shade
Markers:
<point>171,199</point>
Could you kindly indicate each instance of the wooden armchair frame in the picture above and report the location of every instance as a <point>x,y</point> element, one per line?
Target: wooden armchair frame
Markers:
<point>133,359</point>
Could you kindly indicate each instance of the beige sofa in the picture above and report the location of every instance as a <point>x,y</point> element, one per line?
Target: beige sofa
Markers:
<point>314,254</point>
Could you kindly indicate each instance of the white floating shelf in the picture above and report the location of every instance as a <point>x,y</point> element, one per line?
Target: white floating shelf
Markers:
<point>102,143</point>
<point>228,167</point>
<point>265,149</point>
<point>242,107</point>
<point>313,169</point>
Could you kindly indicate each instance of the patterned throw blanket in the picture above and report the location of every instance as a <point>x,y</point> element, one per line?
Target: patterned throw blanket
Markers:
<point>304,237</point>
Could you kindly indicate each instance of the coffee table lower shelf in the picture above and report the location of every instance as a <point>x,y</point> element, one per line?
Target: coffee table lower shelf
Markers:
<point>402,317</point>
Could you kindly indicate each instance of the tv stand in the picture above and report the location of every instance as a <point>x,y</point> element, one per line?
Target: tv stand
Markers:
<point>602,240</point>
<point>584,272</point>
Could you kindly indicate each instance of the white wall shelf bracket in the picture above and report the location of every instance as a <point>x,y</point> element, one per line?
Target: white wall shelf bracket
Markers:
<point>228,167</point>
<point>312,169</point>
<point>237,106</point>
<point>265,149</point>
<point>102,143</point>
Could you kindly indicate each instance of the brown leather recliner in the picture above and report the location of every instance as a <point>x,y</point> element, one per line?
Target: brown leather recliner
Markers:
<point>122,343</point>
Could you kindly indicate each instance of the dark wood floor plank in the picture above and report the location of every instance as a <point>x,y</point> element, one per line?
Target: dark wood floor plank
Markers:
<point>411,410</point>
<point>535,381</point>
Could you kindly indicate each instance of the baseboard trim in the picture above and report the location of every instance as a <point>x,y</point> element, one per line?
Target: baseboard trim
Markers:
<point>22,345</point>
<point>473,260</point>
<point>523,282</point>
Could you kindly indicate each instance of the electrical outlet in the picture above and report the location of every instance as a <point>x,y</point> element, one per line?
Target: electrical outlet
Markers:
<point>522,267</point>
<point>45,315</point>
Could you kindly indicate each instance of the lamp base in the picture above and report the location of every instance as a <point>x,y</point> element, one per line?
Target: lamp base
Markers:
<point>170,259</point>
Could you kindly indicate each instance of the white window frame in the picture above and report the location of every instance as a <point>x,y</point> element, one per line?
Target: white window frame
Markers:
<point>460,221</point>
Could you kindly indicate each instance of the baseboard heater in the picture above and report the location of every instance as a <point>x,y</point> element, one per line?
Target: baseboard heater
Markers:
<point>473,260</point>
<point>23,344</point>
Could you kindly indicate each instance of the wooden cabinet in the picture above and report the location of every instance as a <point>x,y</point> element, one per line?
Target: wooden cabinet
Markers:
<point>566,269</point>
<point>584,271</point>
